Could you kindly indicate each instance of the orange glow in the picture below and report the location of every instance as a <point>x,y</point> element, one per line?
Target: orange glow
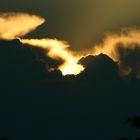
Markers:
<point>58,49</point>
<point>109,45</point>
<point>14,25</point>
<point>127,38</point>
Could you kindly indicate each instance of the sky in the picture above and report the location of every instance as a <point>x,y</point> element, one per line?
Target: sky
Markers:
<point>69,70</point>
<point>81,23</point>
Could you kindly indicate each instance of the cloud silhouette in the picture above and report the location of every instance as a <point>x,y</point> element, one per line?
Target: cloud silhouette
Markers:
<point>122,48</point>
<point>23,63</point>
<point>134,122</point>
<point>33,95</point>
<point>129,59</point>
<point>99,68</point>
<point>36,98</point>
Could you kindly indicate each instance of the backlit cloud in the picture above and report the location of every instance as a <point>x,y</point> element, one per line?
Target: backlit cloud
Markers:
<point>123,47</point>
<point>14,25</point>
<point>58,50</point>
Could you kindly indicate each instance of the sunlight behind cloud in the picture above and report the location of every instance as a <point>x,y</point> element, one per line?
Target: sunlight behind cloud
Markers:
<point>58,50</point>
<point>121,47</point>
<point>15,25</point>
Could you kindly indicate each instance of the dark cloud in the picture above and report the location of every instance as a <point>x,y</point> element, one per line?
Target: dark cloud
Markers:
<point>129,57</point>
<point>134,122</point>
<point>24,63</point>
<point>37,102</point>
<point>18,61</point>
<point>123,138</point>
<point>99,68</point>
<point>50,106</point>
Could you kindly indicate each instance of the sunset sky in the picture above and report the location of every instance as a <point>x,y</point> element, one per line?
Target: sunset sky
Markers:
<point>80,22</point>
<point>69,69</point>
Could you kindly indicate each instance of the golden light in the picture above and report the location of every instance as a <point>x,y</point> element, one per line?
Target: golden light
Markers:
<point>58,50</point>
<point>14,25</point>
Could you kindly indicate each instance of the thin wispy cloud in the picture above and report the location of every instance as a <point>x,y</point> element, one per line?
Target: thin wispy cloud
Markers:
<point>14,25</point>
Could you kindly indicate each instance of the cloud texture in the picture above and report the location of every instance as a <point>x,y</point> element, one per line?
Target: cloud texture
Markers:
<point>123,47</point>
<point>14,25</point>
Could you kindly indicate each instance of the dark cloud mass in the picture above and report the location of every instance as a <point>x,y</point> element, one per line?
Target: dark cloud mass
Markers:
<point>24,63</point>
<point>101,101</point>
<point>99,67</point>
<point>129,59</point>
<point>37,103</point>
